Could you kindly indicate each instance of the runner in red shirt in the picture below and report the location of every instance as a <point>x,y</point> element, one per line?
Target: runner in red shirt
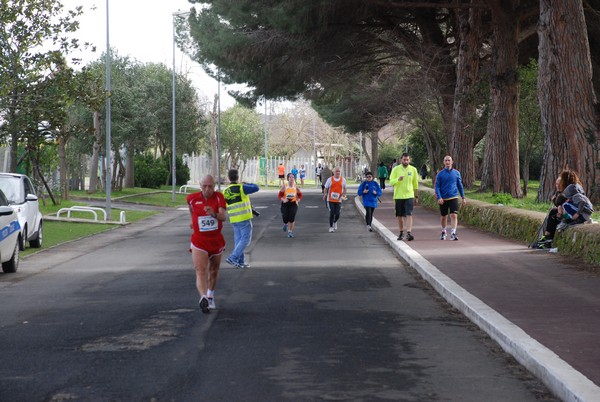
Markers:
<point>208,211</point>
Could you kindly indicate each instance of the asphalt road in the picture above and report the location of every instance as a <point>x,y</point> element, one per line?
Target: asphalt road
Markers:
<point>322,316</point>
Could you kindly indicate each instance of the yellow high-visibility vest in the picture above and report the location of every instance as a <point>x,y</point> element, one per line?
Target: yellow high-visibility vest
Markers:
<point>239,208</point>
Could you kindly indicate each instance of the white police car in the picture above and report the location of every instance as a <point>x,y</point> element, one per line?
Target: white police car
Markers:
<point>20,193</point>
<point>9,236</point>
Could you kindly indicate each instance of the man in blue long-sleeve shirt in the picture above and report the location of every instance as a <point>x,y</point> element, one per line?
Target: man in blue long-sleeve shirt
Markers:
<point>448,187</point>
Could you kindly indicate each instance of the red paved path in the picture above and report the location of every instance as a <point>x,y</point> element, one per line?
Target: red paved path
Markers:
<point>549,296</point>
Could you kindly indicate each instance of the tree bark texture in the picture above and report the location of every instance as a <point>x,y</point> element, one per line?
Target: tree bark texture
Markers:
<point>437,59</point>
<point>567,101</point>
<point>462,142</point>
<point>62,160</point>
<point>96,147</point>
<point>129,180</point>
<point>488,161</point>
<point>213,138</point>
<point>374,152</point>
<point>504,87</point>
<point>14,135</point>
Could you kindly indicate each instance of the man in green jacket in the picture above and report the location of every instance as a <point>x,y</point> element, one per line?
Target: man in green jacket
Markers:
<point>405,180</point>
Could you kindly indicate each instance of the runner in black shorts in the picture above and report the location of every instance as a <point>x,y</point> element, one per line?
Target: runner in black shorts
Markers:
<point>448,187</point>
<point>404,207</point>
<point>405,180</point>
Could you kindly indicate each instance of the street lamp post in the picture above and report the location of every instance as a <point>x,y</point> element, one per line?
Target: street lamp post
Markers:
<point>314,132</point>
<point>108,117</point>
<point>174,117</point>
<point>219,131</point>
<point>266,147</point>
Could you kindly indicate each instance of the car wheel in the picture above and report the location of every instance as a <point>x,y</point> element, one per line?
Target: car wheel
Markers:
<point>23,242</point>
<point>12,265</point>
<point>37,242</point>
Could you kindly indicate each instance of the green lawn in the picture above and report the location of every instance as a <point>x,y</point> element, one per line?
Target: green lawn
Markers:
<point>56,232</point>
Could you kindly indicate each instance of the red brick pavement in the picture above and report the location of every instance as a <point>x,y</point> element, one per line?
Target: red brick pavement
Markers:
<point>551,297</point>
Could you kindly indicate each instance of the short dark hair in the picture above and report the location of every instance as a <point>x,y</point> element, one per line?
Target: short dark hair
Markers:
<point>405,154</point>
<point>368,174</point>
<point>233,175</point>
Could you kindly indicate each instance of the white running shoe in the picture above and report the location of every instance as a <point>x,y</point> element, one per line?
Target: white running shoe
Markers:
<point>331,230</point>
<point>334,225</point>
<point>211,303</point>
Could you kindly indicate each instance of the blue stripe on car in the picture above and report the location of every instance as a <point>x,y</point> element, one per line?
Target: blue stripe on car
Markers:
<point>9,229</point>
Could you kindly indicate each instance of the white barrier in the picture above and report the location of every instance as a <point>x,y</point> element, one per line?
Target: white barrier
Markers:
<point>78,208</point>
<point>184,188</point>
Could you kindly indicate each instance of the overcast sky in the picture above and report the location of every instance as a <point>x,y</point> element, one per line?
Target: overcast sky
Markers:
<point>143,30</point>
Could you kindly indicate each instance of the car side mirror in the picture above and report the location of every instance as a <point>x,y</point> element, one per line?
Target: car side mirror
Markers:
<point>31,197</point>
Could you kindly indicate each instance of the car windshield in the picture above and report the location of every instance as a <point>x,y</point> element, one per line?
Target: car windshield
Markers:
<point>11,188</point>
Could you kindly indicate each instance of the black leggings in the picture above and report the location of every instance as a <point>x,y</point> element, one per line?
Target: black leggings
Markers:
<point>369,215</point>
<point>552,222</point>
<point>334,212</point>
<point>288,211</point>
<point>382,183</point>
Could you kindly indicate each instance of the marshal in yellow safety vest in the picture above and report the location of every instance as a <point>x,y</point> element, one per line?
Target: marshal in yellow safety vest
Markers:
<point>239,208</point>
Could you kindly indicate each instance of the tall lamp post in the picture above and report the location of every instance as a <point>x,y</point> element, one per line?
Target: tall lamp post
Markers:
<point>108,117</point>
<point>266,147</point>
<point>174,117</point>
<point>219,131</point>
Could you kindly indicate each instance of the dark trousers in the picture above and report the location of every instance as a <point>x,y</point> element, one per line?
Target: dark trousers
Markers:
<point>552,222</point>
<point>382,183</point>
<point>334,212</point>
<point>369,215</point>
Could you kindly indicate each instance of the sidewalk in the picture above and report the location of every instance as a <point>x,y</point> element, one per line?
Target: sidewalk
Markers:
<point>542,308</point>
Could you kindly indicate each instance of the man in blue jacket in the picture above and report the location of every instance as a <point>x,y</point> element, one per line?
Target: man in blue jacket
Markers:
<point>448,187</point>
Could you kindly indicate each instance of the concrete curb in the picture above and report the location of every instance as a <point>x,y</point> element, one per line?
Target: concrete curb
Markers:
<point>560,377</point>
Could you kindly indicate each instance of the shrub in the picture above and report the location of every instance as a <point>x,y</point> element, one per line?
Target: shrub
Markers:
<point>182,172</point>
<point>150,172</point>
<point>503,198</point>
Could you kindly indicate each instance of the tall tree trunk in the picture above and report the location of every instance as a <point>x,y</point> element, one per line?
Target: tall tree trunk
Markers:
<point>14,135</point>
<point>34,155</point>
<point>435,57</point>
<point>504,87</point>
<point>568,104</point>
<point>488,162</point>
<point>129,181</point>
<point>462,142</point>
<point>525,174</point>
<point>213,138</point>
<point>434,149</point>
<point>374,151</point>
<point>96,147</point>
<point>63,169</point>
